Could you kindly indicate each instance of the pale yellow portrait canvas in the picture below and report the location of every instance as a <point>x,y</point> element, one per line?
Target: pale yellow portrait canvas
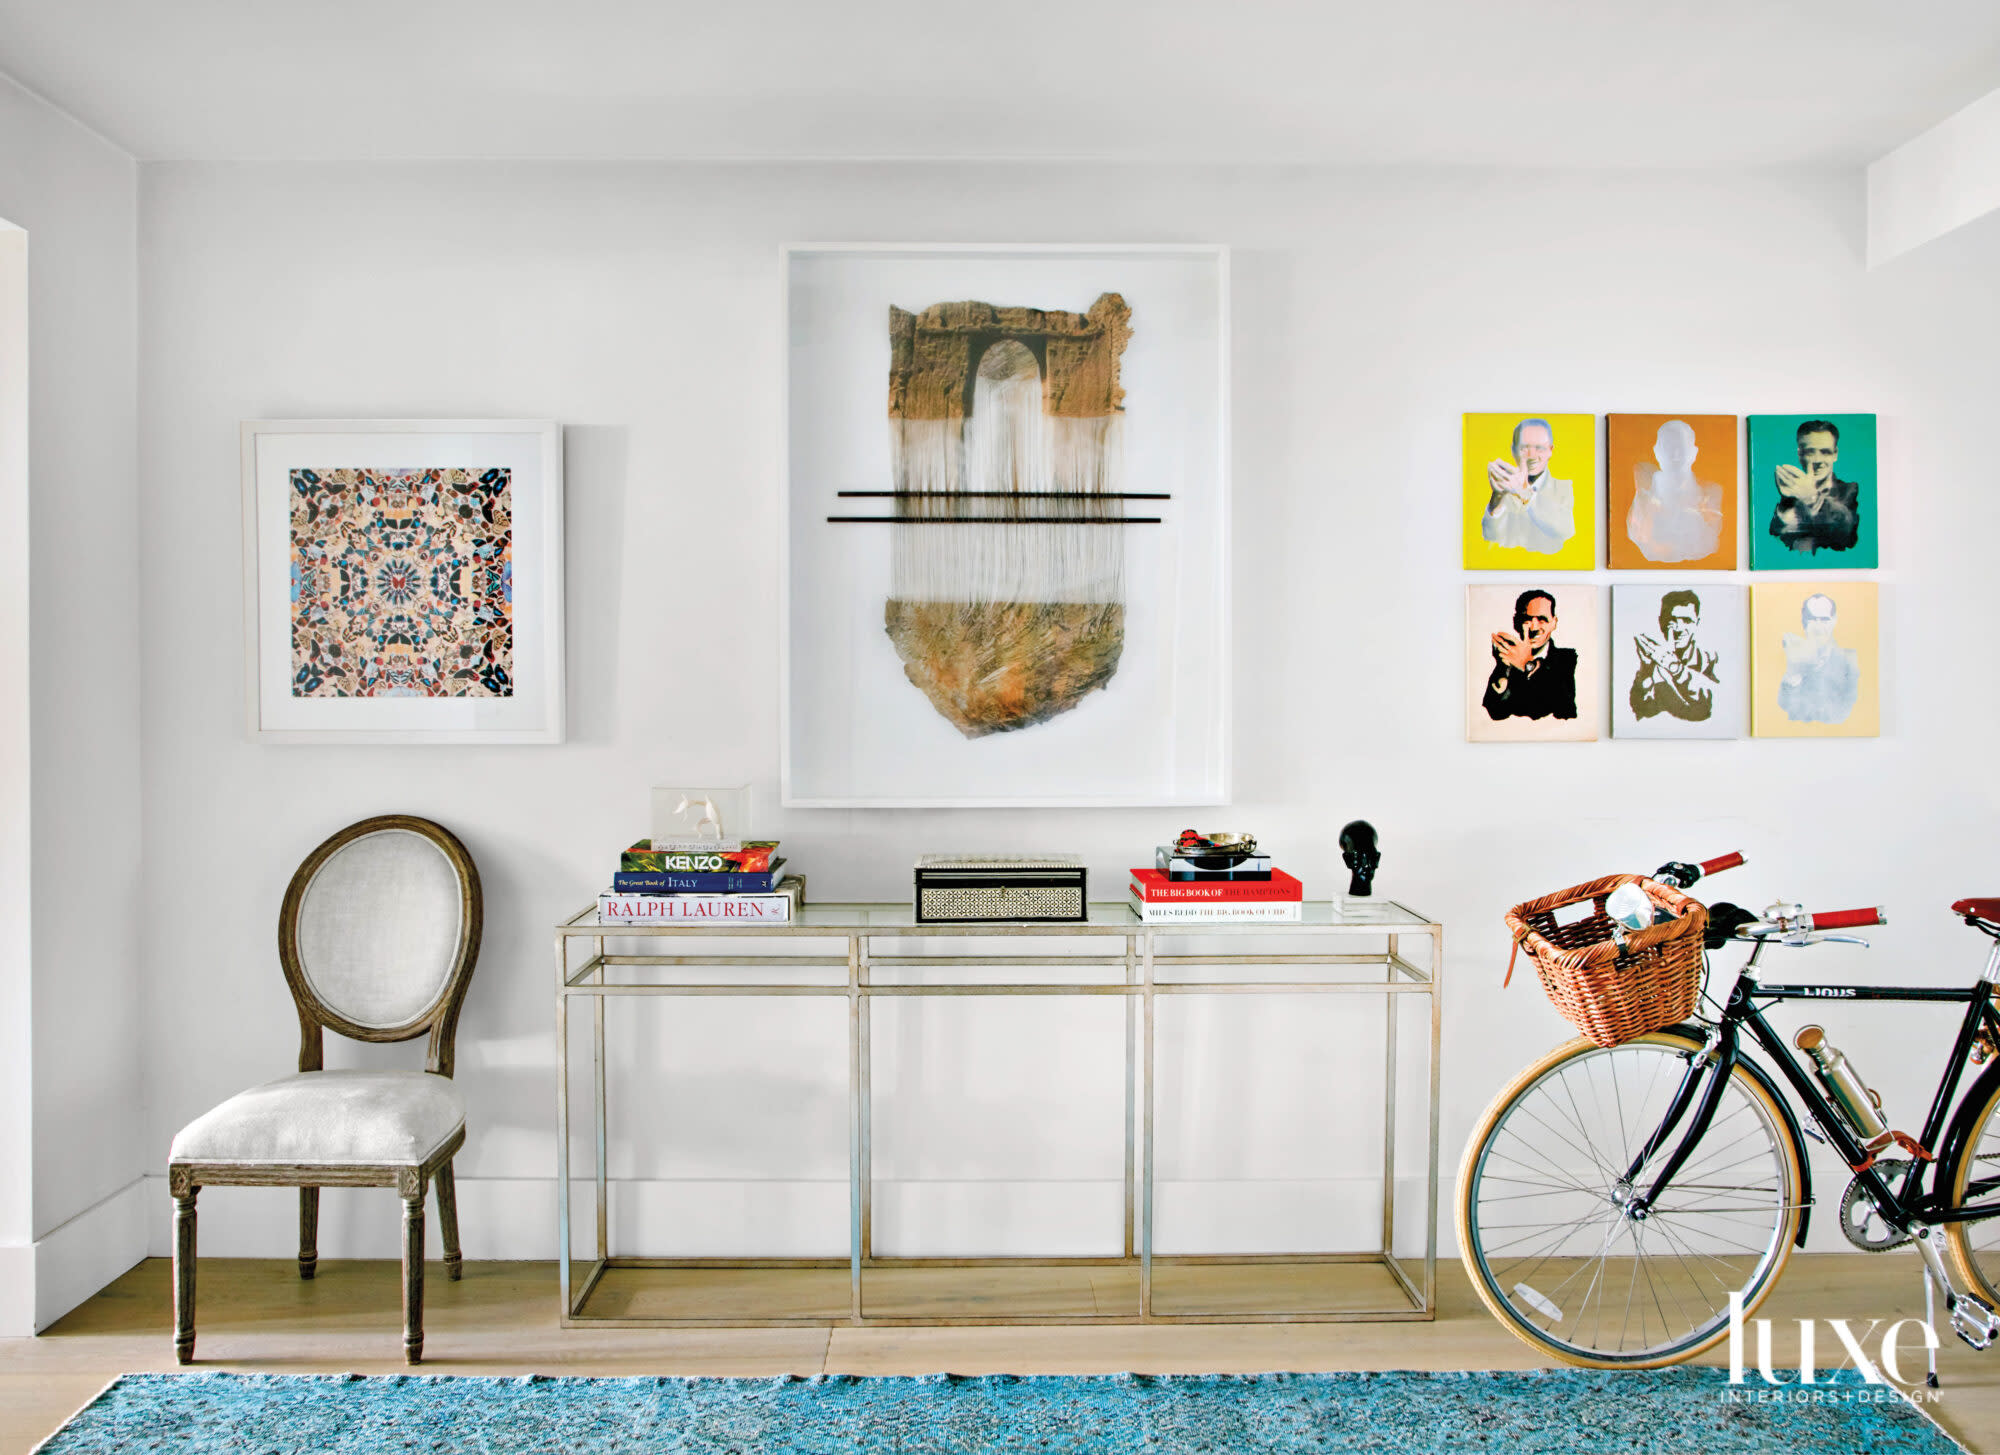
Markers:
<point>1814,661</point>
<point>1529,492</point>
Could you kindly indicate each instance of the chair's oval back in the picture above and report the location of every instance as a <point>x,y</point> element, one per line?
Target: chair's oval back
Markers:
<point>379,930</point>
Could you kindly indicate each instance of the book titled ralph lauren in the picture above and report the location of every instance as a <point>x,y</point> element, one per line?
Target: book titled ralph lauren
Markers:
<point>713,908</point>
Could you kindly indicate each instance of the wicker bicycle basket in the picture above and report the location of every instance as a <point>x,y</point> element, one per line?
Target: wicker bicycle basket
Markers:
<point>1610,982</point>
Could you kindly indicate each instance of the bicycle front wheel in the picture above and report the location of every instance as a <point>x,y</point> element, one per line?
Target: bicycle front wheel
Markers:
<point>1542,1191</point>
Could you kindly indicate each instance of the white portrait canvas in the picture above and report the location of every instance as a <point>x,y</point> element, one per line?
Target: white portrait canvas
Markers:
<point>1534,662</point>
<point>1680,660</point>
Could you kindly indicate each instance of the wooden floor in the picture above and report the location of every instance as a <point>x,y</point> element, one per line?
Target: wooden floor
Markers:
<point>501,1319</point>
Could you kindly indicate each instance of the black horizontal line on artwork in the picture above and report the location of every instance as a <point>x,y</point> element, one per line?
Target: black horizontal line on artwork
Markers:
<point>999,495</point>
<point>993,520</point>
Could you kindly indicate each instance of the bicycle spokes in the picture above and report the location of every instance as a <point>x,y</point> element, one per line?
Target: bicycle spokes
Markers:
<point>1559,1234</point>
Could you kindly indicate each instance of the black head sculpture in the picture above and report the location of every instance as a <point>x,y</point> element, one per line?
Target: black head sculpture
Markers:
<point>1361,853</point>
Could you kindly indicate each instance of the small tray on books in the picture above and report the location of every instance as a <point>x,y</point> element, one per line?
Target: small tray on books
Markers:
<point>1222,864</point>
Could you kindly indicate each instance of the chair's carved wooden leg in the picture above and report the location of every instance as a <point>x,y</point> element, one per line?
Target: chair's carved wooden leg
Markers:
<point>413,1278</point>
<point>447,1193</point>
<point>308,1231</point>
<point>184,1275</point>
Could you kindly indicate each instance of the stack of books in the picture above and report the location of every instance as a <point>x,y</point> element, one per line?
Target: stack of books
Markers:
<point>722,880</point>
<point>1199,880</point>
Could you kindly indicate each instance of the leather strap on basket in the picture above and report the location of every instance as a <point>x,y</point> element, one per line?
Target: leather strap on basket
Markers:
<point>1510,965</point>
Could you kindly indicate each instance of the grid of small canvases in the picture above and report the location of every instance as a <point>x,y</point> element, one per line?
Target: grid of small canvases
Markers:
<point>1691,655</point>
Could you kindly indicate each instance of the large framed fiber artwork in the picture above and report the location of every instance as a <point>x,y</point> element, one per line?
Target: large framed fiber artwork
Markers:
<point>403,580</point>
<point>1007,526</point>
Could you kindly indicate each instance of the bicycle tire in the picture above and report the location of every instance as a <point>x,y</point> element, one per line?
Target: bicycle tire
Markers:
<point>1975,1247</point>
<point>1706,1249</point>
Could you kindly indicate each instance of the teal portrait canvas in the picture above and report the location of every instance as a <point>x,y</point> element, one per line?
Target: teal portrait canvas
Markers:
<point>1814,499</point>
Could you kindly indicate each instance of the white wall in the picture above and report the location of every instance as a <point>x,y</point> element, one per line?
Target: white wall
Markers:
<point>75,1094</point>
<point>640,306</point>
<point>17,959</point>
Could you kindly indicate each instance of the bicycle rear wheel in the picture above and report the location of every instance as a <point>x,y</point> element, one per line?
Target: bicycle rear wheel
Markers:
<point>1974,1177</point>
<point>1541,1197</point>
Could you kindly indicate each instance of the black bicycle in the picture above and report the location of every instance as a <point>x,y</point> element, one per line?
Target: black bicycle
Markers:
<point>1612,1200</point>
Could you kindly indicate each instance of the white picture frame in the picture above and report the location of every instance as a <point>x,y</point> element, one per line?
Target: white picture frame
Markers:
<point>855,731</point>
<point>529,707</point>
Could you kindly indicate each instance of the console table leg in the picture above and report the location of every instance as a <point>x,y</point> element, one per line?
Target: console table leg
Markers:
<point>1389,1124</point>
<point>1146,1138</point>
<point>1131,1099</point>
<point>856,1171</point>
<point>603,1132</point>
<point>1437,1046</point>
<point>562,1130</point>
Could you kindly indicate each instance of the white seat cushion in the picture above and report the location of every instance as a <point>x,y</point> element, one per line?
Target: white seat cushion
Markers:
<point>336,1118</point>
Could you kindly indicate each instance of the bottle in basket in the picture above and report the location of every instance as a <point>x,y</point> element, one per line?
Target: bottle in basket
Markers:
<point>1629,905</point>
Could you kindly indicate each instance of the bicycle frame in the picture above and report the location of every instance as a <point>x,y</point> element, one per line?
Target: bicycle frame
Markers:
<point>1899,1207</point>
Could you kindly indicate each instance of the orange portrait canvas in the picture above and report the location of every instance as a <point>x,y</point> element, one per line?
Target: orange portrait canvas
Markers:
<point>1673,491</point>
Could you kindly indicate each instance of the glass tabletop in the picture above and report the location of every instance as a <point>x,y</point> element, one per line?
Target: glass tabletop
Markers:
<point>1107,917</point>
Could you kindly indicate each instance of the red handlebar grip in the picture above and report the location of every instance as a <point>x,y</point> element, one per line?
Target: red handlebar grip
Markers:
<point>1716,866</point>
<point>1848,919</point>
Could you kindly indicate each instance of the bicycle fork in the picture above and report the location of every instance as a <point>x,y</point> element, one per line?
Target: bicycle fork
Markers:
<point>1717,1059</point>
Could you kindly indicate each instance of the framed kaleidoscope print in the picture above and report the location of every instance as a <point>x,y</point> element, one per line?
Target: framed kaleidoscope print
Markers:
<point>403,580</point>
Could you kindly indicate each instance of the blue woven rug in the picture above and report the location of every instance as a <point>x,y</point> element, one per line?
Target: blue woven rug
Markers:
<point>1571,1410</point>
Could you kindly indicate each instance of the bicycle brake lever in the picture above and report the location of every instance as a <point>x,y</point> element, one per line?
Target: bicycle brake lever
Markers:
<point>1797,937</point>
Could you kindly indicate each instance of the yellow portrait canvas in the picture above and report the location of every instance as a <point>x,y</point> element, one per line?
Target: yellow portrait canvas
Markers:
<point>1529,488</point>
<point>1814,662</point>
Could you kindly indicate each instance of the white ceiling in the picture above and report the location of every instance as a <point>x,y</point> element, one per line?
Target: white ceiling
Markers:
<point>1531,82</point>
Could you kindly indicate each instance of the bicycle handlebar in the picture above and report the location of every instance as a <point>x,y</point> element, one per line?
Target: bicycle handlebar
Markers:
<point>1790,924</point>
<point>1686,876</point>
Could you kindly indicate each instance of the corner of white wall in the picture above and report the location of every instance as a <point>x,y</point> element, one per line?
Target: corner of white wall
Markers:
<point>1933,183</point>
<point>43,1280</point>
<point>17,1082</point>
<point>90,1250</point>
<point>70,1036</point>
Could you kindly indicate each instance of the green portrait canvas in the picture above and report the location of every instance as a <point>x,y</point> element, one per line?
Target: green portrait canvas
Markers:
<point>1814,499</point>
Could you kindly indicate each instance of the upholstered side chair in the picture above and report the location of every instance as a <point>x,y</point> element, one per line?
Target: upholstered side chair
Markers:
<point>377,936</point>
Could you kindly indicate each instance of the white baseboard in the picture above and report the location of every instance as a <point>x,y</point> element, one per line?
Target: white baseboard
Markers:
<point>17,1290</point>
<point>41,1283</point>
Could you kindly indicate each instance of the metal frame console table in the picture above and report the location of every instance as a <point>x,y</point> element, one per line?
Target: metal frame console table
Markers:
<point>1140,963</point>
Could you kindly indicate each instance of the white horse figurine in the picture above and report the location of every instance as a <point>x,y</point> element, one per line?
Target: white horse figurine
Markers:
<point>709,825</point>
